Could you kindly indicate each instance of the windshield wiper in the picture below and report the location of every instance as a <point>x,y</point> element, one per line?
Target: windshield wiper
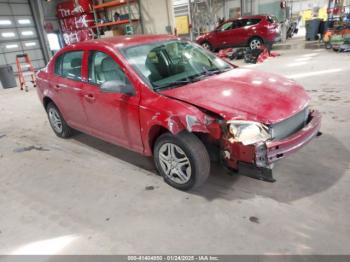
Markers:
<point>171,85</point>
<point>208,72</point>
<point>215,71</point>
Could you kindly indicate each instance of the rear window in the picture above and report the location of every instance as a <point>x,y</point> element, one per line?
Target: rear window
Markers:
<point>69,65</point>
<point>272,19</point>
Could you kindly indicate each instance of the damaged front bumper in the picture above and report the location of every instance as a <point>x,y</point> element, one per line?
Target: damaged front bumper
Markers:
<point>257,160</point>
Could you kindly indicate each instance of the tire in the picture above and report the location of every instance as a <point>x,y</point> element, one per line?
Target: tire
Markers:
<point>184,152</point>
<point>207,45</point>
<point>57,122</point>
<point>255,43</point>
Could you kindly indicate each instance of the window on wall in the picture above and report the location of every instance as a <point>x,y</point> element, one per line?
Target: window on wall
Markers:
<point>69,65</point>
<point>247,7</point>
<point>103,68</point>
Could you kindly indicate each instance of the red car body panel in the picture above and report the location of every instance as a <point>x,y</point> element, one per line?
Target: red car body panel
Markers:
<point>267,31</point>
<point>237,94</point>
<point>135,122</point>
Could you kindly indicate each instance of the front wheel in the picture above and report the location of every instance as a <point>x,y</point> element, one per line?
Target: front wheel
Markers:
<point>182,160</point>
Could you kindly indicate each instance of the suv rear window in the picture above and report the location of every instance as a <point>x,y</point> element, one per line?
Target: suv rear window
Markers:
<point>271,19</point>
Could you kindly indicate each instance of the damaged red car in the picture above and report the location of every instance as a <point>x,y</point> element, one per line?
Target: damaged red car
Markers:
<point>173,100</point>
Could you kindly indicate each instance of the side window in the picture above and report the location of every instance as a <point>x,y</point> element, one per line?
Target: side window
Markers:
<point>69,65</point>
<point>252,22</point>
<point>58,65</point>
<point>103,68</point>
<point>242,23</point>
<point>226,26</point>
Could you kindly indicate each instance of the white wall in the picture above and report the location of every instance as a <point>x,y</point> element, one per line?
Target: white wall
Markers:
<point>157,15</point>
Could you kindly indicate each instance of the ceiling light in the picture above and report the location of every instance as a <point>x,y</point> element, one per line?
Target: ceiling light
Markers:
<point>8,34</point>
<point>5,22</point>
<point>30,44</point>
<point>24,21</point>
<point>12,46</point>
<point>27,33</point>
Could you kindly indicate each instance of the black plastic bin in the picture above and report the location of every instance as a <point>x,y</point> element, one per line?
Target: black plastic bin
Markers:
<point>312,29</point>
<point>7,77</point>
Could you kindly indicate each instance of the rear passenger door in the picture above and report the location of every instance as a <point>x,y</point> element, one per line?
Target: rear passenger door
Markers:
<point>67,86</point>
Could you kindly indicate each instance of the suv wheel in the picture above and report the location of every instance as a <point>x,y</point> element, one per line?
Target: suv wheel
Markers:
<point>58,125</point>
<point>255,43</point>
<point>182,160</point>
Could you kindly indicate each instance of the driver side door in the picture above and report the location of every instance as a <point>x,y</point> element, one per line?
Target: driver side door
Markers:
<point>112,116</point>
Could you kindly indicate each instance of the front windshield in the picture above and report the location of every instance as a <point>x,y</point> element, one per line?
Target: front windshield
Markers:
<point>173,63</point>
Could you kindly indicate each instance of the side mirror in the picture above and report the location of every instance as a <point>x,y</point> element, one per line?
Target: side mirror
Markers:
<point>117,86</point>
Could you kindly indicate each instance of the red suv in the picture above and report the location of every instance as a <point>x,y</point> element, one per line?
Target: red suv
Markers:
<point>170,98</point>
<point>252,31</point>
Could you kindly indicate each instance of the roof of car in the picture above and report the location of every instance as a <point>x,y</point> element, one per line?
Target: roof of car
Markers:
<point>126,41</point>
<point>248,17</point>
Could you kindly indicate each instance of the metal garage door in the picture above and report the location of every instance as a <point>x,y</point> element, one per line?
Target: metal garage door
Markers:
<point>18,34</point>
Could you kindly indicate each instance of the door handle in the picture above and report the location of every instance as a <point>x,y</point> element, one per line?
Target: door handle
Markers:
<point>90,97</point>
<point>59,86</point>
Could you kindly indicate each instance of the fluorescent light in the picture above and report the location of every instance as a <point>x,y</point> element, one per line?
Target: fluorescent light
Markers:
<point>12,46</point>
<point>24,21</point>
<point>8,34</point>
<point>27,33</point>
<point>30,44</point>
<point>5,22</point>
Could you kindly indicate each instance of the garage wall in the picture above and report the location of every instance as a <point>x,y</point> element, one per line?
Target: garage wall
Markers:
<point>157,16</point>
<point>18,34</point>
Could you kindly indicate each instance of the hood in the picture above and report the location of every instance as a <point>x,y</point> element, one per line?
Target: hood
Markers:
<point>245,95</point>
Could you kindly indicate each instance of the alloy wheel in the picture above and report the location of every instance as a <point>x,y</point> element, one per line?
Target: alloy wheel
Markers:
<point>175,163</point>
<point>55,120</point>
<point>255,44</point>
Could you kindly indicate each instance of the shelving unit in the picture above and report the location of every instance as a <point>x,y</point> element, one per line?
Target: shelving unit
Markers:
<point>116,4</point>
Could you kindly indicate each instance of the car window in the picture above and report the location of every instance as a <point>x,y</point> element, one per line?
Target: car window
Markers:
<point>272,19</point>
<point>164,63</point>
<point>238,24</point>
<point>69,65</point>
<point>103,68</point>
<point>252,21</point>
<point>226,26</point>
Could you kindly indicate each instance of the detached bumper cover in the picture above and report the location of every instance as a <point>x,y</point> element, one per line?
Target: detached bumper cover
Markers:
<point>279,149</point>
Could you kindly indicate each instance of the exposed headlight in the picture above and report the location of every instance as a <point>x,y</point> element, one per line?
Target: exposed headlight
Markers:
<point>248,132</point>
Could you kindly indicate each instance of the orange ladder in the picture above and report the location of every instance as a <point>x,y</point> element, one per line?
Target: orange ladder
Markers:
<point>25,69</point>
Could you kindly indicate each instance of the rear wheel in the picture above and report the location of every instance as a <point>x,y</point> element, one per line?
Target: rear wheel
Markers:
<point>182,160</point>
<point>255,43</point>
<point>58,124</point>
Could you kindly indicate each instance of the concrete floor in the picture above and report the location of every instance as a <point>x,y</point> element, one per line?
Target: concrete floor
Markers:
<point>84,196</point>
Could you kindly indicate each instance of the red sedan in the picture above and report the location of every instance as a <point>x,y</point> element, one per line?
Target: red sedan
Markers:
<point>252,31</point>
<point>170,98</point>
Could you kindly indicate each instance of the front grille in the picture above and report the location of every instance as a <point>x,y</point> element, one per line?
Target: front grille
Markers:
<point>289,126</point>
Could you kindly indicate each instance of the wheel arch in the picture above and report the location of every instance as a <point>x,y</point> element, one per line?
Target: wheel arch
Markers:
<point>154,132</point>
<point>255,36</point>
<point>47,100</point>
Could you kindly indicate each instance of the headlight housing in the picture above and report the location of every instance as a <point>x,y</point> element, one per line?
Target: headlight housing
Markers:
<point>248,132</point>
